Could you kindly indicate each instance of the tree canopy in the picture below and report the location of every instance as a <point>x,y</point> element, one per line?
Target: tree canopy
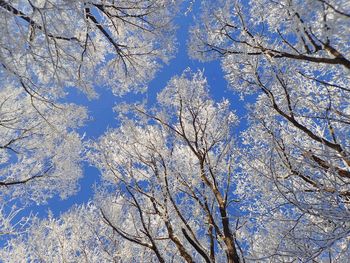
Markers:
<point>181,178</point>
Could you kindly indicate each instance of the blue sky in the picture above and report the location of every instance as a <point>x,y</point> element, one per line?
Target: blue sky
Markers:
<point>102,116</point>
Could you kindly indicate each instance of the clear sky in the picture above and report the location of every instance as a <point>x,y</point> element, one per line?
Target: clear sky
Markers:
<point>102,116</point>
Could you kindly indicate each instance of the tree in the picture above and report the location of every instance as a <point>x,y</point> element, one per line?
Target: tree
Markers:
<point>77,236</point>
<point>169,179</point>
<point>177,186</point>
<point>172,168</point>
<point>40,152</point>
<point>47,47</point>
<point>292,56</point>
